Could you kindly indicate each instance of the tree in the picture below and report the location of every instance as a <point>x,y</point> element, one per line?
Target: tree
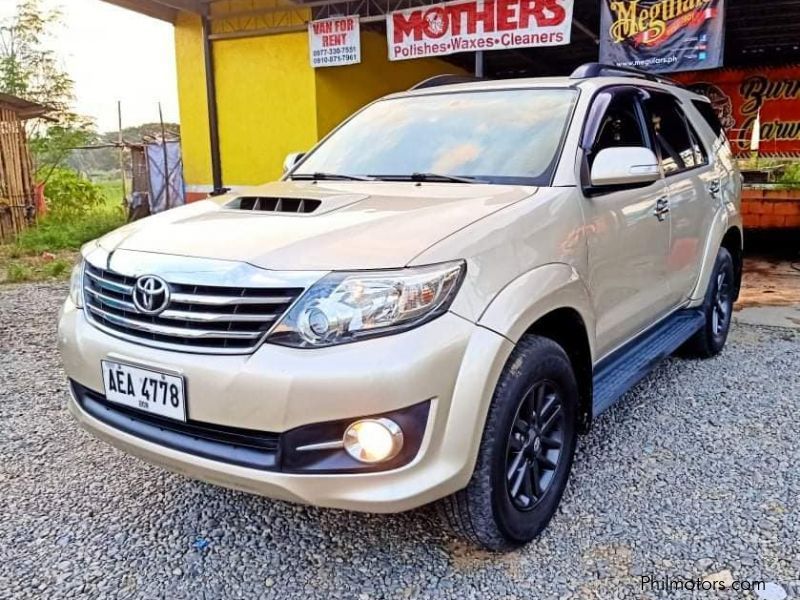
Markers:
<point>30,70</point>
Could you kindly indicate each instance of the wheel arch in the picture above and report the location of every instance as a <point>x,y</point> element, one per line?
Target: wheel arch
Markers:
<point>566,327</point>
<point>551,301</point>
<point>733,242</point>
<point>725,232</point>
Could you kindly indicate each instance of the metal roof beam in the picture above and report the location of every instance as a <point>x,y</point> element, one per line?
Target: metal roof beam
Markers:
<point>194,6</point>
<point>165,10</point>
<point>148,8</point>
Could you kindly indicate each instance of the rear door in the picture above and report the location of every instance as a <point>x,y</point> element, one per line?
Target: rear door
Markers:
<point>693,184</point>
<point>627,237</point>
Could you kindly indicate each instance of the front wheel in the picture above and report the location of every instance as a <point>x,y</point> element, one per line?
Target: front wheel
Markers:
<point>526,452</point>
<point>718,309</point>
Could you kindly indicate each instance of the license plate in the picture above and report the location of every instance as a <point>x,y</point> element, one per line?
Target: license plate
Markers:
<point>145,389</point>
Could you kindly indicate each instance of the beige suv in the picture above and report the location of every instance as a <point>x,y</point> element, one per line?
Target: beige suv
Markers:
<point>430,305</point>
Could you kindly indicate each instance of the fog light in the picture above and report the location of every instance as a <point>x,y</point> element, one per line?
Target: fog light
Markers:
<point>373,440</point>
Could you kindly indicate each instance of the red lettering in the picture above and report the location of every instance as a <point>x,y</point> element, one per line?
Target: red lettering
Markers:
<point>333,39</point>
<point>556,15</point>
<point>485,16</point>
<point>506,14</point>
<point>322,27</point>
<point>406,26</point>
<point>457,14</point>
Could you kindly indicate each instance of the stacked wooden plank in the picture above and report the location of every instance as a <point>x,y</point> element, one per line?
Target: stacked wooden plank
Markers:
<point>17,200</point>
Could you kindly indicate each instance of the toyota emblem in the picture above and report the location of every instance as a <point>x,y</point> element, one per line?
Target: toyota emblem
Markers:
<point>150,294</point>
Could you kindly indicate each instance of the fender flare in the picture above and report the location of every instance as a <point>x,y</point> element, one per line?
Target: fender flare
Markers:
<point>533,295</point>
<point>719,228</point>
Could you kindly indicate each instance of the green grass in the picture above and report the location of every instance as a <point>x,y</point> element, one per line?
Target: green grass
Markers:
<point>56,269</point>
<point>17,273</point>
<point>47,251</point>
<point>51,235</point>
<point>112,190</point>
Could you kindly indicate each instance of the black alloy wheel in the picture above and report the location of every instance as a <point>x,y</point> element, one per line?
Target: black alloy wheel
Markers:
<point>535,445</point>
<point>526,451</point>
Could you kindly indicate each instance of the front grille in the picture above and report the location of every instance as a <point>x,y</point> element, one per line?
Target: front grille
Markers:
<point>200,318</point>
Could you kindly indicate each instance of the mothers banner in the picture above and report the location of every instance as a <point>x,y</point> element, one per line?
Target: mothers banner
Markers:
<point>662,35</point>
<point>471,25</point>
<point>740,96</point>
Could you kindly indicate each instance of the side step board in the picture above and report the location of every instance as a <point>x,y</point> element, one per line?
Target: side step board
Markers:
<point>619,372</point>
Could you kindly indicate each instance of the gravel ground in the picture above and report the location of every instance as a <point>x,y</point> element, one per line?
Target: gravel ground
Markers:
<point>693,473</point>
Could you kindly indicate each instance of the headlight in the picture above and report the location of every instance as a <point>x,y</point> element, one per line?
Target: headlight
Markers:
<point>76,285</point>
<point>345,307</point>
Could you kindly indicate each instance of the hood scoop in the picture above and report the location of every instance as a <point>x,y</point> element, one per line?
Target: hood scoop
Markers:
<point>296,206</point>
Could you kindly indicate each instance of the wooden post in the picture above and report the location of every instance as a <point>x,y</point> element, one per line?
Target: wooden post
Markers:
<point>166,157</point>
<point>121,153</point>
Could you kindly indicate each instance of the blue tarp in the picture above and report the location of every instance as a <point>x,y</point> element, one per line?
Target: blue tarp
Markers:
<point>160,200</point>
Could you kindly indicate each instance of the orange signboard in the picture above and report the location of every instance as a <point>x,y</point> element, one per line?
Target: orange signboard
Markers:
<point>741,97</point>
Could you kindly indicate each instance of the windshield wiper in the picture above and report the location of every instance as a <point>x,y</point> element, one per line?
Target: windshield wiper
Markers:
<point>440,177</point>
<point>330,177</point>
<point>420,177</point>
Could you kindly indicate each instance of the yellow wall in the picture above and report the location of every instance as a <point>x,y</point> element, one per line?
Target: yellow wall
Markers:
<point>343,90</point>
<point>266,104</point>
<point>271,102</point>
<point>192,100</point>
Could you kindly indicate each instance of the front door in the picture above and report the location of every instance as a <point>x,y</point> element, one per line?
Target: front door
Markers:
<point>628,234</point>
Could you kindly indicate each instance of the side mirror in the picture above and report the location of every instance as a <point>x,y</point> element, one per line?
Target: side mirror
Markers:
<point>291,160</point>
<point>625,166</point>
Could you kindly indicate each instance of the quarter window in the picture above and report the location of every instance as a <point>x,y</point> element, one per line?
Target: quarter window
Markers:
<point>710,115</point>
<point>700,154</point>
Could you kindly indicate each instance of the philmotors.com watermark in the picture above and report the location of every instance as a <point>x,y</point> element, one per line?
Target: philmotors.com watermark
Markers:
<point>651,583</point>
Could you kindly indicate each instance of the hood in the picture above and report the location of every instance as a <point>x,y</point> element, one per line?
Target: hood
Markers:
<point>352,225</point>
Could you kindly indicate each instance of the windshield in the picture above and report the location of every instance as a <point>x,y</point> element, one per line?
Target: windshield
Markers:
<point>501,136</point>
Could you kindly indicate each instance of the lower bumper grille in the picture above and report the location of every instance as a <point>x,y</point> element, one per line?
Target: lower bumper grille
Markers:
<point>243,447</point>
<point>200,318</point>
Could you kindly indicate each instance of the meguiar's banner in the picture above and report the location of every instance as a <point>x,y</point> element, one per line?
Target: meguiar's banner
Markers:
<point>662,35</point>
<point>470,25</point>
<point>739,96</point>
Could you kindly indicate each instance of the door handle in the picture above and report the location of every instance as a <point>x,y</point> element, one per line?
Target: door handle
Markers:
<point>714,188</point>
<point>662,208</point>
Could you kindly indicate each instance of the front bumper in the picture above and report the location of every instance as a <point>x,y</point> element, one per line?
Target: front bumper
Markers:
<point>449,362</point>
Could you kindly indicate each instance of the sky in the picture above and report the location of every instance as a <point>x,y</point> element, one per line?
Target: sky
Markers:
<point>114,54</point>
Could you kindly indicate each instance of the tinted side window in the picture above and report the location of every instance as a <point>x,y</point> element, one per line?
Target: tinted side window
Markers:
<point>620,126</point>
<point>710,115</point>
<point>671,134</point>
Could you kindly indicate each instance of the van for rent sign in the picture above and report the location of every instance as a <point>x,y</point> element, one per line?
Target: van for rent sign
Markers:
<point>334,42</point>
<point>470,25</point>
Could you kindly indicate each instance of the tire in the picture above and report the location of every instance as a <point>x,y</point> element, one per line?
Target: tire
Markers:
<point>718,311</point>
<point>538,380</point>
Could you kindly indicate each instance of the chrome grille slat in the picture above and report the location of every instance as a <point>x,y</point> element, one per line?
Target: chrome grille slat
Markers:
<point>228,300</point>
<point>176,331</point>
<point>110,285</point>
<point>115,302</point>
<point>199,318</point>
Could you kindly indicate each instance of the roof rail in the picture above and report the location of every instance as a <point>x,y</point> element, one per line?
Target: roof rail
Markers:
<point>438,80</point>
<point>591,70</point>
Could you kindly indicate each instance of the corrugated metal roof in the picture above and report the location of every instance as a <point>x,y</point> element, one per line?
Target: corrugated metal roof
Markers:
<point>24,108</point>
